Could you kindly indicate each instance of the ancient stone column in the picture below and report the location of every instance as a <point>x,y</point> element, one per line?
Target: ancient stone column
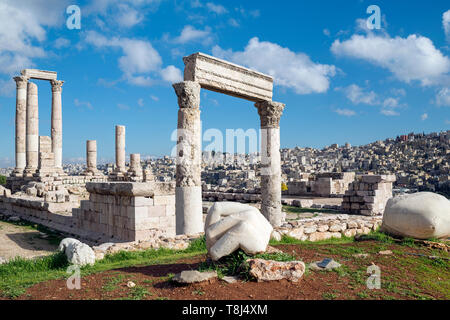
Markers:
<point>135,162</point>
<point>32,127</point>
<point>21,129</point>
<point>120,149</point>
<point>91,157</point>
<point>188,193</point>
<point>270,113</point>
<point>57,122</point>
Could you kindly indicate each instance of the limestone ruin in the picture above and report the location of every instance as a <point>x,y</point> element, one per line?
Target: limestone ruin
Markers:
<point>128,204</point>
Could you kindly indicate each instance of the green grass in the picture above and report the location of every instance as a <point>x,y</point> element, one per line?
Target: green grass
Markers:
<point>112,283</point>
<point>2,180</point>
<point>18,274</point>
<point>291,209</point>
<point>138,293</point>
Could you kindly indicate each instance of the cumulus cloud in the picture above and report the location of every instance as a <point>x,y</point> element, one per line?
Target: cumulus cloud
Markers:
<point>191,34</point>
<point>357,95</point>
<point>443,97</point>
<point>216,8</point>
<point>409,59</point>
<point>424,117</point>
<point>345,112</point>
<point>139,58</point>
<point>289,69</point>
<point>446,24</point>
<point>389,113</point>
<point>171,74</point>
<point>23,30</point>
<point>122,13</point>
<point>391,103</point>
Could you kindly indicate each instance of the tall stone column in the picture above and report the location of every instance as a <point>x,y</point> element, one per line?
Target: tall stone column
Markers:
<point>32,127</point>
<point>188,193</point>
<point>91,157</point>
<point>120,149</point>
<point>270,113</point>
<point>57,122</point>
<point>21,129</point>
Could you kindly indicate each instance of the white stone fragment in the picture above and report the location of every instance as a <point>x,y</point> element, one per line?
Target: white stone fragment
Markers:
<point>421,215</point>
<point>230,226</point>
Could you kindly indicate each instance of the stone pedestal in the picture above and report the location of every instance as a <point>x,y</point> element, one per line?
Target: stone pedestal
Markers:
<point>188,191</point>
<point>21,114</point>
<point>57,122</point>
<point>32,129</point>
<point>270,113</point>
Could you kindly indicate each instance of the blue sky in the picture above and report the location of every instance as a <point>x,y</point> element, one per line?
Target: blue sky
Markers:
<point>340,81</point>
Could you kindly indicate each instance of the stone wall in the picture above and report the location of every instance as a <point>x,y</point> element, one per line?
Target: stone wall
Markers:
<point>368,194</point>
<point>127,211</point>
<point>326,226</point>
<point>325,185</point>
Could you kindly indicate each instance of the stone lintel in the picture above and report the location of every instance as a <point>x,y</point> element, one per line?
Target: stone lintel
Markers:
<point>131,189</point>
<point>222,76</point>
<point>39,74</point>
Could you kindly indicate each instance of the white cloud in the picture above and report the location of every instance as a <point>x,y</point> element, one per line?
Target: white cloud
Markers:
<point>443,97</point>
<point>411,58</point>
<point>190,34</point>
<point>446,24</point>
<point>399,92</point>
<point>128,16</point>
<point>86,104</point>
<point>216,8</point>
<point>23,31</point>
<point>61,43</point>
<point>171,74</point>
<point>357,95</point>
<point>122,13</point>
<point>326,32</point>
<point>138,60</point>
<point>345,112</point>
<point>140,102</point>
<point>389,113</point>
<point>7,87</point>
<point>391,102</point>
<point>289,69</point>
<point>424,116</point>
<point>154,98</point>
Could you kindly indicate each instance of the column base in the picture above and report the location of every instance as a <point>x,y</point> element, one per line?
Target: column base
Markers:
<point>189,211</point>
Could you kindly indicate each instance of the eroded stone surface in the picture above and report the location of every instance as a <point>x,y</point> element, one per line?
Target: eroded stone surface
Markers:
<point>269,270</point>
<point>193,276</point>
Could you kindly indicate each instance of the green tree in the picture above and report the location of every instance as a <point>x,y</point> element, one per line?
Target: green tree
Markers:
<point>2,179</point>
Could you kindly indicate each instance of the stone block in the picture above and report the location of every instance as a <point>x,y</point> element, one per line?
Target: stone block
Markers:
<point>225,77</point>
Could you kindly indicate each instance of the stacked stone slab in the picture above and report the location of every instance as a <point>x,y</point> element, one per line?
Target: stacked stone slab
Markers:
<point>46,157</point>
<point>368,194</point>
<point>91,159</point>
<point>127,211</point>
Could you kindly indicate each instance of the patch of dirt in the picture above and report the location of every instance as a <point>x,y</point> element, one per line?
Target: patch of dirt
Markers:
<point>21,241</point>
<point>349,283</point>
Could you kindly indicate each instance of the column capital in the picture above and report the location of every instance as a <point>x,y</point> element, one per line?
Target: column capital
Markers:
<point>188,93</point>
<point>270,113</point>
<point>21,81</point>
<point>56,85</point>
